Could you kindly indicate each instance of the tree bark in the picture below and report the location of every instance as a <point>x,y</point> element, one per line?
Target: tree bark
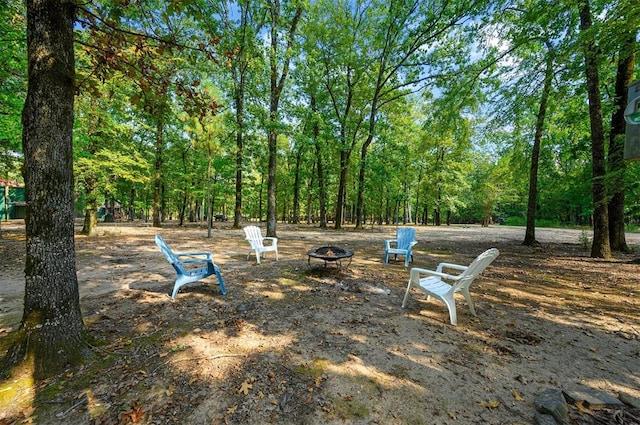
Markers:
<point>530,232</point>
<point>624,77</point>
<point>51,333</point>
<point>600,247</point>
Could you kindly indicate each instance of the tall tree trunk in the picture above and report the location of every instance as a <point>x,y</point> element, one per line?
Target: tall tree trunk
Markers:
<point>240,69</point>
<point>624,77</point>
<point>530,232</point>
<point>600,247</point>
<point>342,189</point>
<point>271,180</point>
<point>90,180</point>
<point>296,188</point>
<point>322,191</point>
<point>157,180</point>
<point>91,207</point>
<point>239,100</point>
<point>276,87</point>
<point>51,331</point>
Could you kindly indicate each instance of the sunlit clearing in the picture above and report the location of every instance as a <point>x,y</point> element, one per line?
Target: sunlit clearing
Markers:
<point>250,343</point>
<point>274,295</point>
<point>357,368</point>
<point>612,386</point>
<point>428,359</point>
<point>293,284</point>
<point>18,392</point>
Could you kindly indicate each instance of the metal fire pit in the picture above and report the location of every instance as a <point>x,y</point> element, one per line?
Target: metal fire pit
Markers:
<point>330,254</point>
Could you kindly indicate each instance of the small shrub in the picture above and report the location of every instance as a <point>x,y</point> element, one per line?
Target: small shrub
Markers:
<point>585,242</point>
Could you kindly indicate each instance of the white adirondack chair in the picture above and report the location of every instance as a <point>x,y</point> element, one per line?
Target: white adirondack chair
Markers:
<point>432,283</point>
<point>256,240</point>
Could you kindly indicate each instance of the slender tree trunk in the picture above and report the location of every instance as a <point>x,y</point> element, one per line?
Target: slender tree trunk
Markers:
<point>600,247</point>
<point>239,99</point>
<point>91,207</point>
<point>51,333</point>
<point>342,189</point>
<point>530,232</point>
<point>361,182</point>
<point>132,203</point>
<point>296,188</point>
<point>157,180</point>
<point>276,87</point>
<point>624,77</point>
<point>90,180</point>
<point>322,191</point>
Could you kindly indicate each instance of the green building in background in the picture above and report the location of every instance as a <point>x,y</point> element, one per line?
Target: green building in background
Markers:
<point>12,201</point>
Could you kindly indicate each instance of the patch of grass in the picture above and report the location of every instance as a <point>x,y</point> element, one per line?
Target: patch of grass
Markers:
<point>348,407</point>
<point>314,369</point>
<point>286,281</point>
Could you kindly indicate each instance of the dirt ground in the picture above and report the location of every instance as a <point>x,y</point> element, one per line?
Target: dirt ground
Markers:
<point>299,343</point>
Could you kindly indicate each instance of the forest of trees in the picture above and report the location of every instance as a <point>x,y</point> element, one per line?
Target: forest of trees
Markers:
<point>361,112</point>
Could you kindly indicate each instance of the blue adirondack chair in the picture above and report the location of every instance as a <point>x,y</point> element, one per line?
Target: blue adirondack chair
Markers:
<point>190,266</point>
<point>401,245</point>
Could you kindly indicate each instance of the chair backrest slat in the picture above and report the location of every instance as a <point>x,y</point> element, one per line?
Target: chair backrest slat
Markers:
<point>405,236</point>
<point>169,255</point>
<point>254,236</point>
<point>478,265</point>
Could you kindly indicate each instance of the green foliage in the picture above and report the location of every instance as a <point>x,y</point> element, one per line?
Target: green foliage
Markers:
<point>199,68</point>
<point>13,67</point>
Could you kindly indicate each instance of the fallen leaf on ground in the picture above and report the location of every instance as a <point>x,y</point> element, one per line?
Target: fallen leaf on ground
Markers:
<point>491,404</point>
<point>245,387</point>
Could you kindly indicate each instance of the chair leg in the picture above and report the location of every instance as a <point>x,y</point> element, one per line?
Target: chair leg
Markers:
<point>467,297</point>
<point>220,281</point>
<point>406,295</point>
<point>386,257</point>
<point>451,305</point>
<point>258,257</point>
<point>176,288</point>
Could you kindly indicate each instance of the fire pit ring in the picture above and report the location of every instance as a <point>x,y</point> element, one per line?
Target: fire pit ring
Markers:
<point>330,254</point>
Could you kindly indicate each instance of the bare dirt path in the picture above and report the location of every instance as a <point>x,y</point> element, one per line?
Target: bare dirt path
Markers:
<point>297,344</point>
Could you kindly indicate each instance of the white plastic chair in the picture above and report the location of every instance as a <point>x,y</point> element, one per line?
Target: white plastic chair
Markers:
<point>401,245</point>
<point>256,240</point>
<point>433,284</point>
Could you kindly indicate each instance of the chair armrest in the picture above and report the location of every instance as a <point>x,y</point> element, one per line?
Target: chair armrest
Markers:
<point>388,242</point>
<point>207,255</point>
<point>196,261</point>
<point>443,266</point>
<point>416,272</point>
<point>274,241</point>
